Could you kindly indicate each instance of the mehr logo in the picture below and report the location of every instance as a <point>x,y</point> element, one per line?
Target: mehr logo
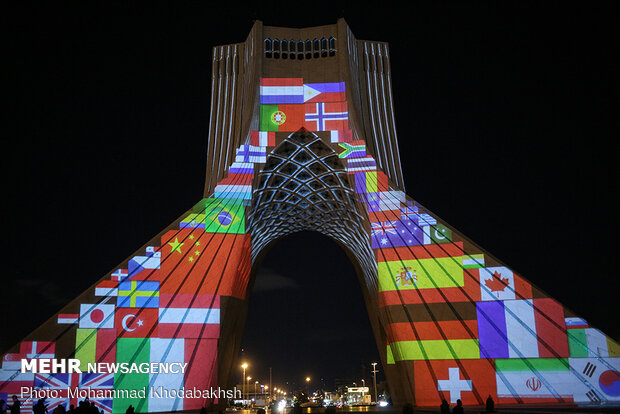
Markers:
<point>278,117</point>
<point>72,365</point>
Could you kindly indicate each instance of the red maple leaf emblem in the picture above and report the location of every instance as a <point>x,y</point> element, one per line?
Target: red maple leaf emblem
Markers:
<point>497,283</point>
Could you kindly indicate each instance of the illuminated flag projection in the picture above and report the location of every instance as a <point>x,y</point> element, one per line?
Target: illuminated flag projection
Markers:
<point>236,185</point>
<point>105,288</point>
<point>11,381</point>
<point>585,342</point>
<point>281,117</point>
<point>383,200</point>
<point>341,136</point>
<point>416,268</point>
<point>312,144</point>
<point>164,307</point>
<point>357,165</point>
<point>94,345</point>
<point>327,116</point>
<point>262,139</point>
<point>294,91</point>
<point>370,182</point>
<point>250,154</point>
<point>354,149</point>
<point>62,383</point>
<point>281,90</point>
<point>465,380</point>
<point>216,216</point>
<point>324,92</point>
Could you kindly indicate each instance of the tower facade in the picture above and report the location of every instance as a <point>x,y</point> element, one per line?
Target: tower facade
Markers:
<point>302,137</point>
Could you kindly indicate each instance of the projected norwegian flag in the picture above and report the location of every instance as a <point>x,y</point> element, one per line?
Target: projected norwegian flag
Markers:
<point>327,116</point>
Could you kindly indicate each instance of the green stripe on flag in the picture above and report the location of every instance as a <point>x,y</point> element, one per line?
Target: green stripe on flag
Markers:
<point>348,149</point>
<point>201,206</point>
<point>436,349</point>
<point>85,346</point>
<point>534,364</point>
<point>193,220</point>
<point>132,350</point>
<point>390,357</point>
<point>218,215</point>
<point>473,261</point>
<point>577,342</point>
<point>266,124</point>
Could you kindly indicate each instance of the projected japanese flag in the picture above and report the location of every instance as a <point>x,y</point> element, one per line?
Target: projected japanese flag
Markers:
<point>96,316</point>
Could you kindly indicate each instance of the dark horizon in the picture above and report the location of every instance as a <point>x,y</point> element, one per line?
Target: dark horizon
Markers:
<point>505,119</point>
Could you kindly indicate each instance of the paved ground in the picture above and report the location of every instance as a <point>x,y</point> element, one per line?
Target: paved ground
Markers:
<point>586,409</point>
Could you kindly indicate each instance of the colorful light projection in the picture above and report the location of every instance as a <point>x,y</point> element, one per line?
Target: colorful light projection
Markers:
<point>163,307</point>
<point>479,328</point>
<point>468,326</point>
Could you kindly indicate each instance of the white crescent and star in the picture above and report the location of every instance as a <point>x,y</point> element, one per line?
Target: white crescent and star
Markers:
<point>124,322</point>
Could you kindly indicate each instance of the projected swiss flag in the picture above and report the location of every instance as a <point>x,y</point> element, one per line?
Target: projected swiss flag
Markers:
<point>468,380</point>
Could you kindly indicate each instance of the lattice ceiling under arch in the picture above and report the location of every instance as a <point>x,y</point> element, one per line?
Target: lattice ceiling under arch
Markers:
<point>304,186</point>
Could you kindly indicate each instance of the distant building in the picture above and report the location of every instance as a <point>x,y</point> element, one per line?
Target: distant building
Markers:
<point>358,396</point>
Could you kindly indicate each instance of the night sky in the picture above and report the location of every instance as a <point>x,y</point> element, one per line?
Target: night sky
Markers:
<point>506,117</point>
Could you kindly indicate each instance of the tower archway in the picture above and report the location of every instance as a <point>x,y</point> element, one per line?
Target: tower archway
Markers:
<point>304,186</point>
<point>307,317</point>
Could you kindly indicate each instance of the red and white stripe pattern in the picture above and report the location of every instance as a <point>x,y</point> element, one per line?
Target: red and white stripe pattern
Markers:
<point>182,317</point>
<point>341,136</point>
<point>107,288</point>
<point>263,138</point>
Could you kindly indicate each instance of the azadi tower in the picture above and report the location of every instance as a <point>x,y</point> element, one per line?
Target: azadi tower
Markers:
<point>302,137</point>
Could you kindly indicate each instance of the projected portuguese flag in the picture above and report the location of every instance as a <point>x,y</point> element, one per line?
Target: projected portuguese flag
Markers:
<point>281,117</point>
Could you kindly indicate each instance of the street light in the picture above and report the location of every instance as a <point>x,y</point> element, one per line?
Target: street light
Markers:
<point>255,383</point>
<point>244,366</point>
<point>308,387</point>
<point>374,378</point>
